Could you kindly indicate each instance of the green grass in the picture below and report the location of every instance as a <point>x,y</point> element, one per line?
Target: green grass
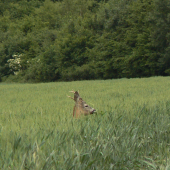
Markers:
<point>131,129</point>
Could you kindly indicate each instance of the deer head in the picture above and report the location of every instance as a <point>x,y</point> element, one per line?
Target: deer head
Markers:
<point>81,107</point>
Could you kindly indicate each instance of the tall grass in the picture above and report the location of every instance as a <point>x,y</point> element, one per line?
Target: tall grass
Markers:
<point>131,129</point>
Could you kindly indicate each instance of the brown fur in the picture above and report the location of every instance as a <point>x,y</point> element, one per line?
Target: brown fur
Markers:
<point>81,107</point>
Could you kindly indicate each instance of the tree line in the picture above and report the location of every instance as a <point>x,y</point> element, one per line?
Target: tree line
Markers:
<point>64,40</point>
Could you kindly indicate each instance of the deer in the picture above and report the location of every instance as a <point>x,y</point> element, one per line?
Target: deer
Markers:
<point>81,107</point>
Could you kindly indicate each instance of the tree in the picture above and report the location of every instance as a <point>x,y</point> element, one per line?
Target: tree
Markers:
<point>161,34</point>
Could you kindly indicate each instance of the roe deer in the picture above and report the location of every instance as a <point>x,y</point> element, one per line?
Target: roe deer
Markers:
<point>81,107</point>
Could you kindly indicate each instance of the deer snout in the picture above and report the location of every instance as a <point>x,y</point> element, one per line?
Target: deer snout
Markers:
<point>92,111</point>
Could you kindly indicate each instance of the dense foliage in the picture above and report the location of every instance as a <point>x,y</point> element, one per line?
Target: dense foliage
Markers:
<point>50,40</point>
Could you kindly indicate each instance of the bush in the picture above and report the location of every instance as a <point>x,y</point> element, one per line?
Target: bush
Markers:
<point>84,72</point>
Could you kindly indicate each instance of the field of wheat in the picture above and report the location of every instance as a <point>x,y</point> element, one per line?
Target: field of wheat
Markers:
<point>131,129</point>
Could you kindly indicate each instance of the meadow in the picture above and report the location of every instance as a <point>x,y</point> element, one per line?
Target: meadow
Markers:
<point>131,129</point>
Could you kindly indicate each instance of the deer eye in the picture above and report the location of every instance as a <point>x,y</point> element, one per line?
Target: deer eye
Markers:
<point>85,105</point>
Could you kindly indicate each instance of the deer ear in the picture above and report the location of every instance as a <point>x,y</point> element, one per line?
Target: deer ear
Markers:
<point>76,96</point>
<point>76,93</point>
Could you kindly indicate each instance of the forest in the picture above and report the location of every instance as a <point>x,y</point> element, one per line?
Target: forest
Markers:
<point>66,40</point>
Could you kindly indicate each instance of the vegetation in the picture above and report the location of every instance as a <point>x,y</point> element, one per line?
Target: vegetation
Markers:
<point>130,130</point>
<point>56,40</point>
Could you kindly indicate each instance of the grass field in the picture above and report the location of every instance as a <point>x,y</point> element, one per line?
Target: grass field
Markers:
<point>131,129</point>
